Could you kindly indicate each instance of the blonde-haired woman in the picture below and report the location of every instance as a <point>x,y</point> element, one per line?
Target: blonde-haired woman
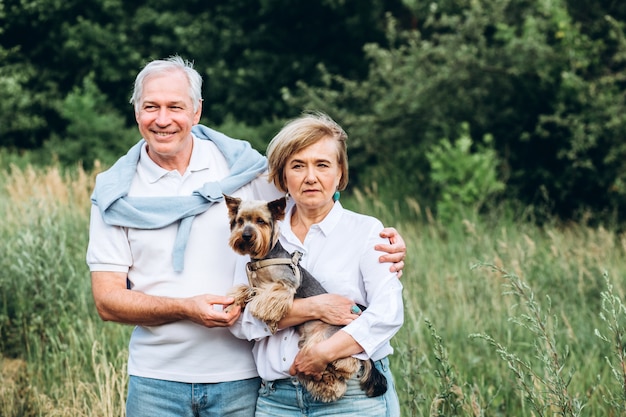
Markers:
<point>308,160</point>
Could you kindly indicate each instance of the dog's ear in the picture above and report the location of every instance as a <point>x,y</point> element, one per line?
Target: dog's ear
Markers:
<point>233,205</point>
<point>277,208</point>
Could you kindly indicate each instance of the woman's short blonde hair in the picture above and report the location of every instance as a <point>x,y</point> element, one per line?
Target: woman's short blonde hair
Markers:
<point>300,133</point>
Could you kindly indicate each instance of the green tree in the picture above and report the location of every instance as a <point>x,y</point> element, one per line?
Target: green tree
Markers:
<point>19,116</point>
<point>95,130</point>
<point>549,95</point>
<point>246,50</point>
<point>466,179</point>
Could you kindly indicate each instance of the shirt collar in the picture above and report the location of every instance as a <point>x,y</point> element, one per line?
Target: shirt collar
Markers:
<point>197,162</point>
<point>327,225</point>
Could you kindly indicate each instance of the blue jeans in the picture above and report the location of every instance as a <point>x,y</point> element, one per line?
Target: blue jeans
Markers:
<point>154,397</point>
<point>287,398</point>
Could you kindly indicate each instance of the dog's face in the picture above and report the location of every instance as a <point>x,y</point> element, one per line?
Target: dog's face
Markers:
<point>253,229</point>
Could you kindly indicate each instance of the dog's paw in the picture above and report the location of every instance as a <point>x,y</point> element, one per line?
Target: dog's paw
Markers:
<point>271,303</point>
<point>242,295</point>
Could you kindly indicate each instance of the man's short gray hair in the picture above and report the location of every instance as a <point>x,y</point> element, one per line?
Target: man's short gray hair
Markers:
<point>171,64</point>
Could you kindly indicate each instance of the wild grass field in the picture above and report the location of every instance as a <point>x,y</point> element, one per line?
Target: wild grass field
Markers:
<point>502,318</point>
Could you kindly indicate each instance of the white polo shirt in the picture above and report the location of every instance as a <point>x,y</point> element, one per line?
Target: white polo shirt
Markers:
<point>180,351</point>
<point>339,253</point>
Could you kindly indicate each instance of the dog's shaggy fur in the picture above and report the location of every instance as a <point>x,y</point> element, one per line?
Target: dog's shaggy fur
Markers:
<point>275,278</point>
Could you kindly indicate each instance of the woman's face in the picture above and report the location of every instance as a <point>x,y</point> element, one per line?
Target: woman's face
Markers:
<point>312,175</point>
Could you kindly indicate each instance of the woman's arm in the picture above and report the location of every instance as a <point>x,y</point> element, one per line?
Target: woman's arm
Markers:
<point>371,330</point>
<point>330,308</point>
<point>313,361</point>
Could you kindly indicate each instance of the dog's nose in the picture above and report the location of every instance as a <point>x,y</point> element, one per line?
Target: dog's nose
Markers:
<point>246,235</point>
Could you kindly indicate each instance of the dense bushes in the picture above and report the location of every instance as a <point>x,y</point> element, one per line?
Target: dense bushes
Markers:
<point>245,50</point>
<point>544,79</point>
<point>523,73</point>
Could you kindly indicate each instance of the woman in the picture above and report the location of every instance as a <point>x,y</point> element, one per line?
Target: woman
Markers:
<point>308,160</point>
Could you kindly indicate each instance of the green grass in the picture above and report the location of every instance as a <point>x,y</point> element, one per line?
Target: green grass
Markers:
<point>59,358</point>
<point>502,318</point>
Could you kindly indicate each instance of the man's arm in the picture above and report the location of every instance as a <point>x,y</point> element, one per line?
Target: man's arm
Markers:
<point>115,302</point>
<point>396,250</point>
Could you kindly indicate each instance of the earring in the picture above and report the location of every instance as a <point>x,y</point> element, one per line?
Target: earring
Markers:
<point>336,196</point>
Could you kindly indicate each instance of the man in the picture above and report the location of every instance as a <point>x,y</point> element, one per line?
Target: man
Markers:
<point>159,257</point>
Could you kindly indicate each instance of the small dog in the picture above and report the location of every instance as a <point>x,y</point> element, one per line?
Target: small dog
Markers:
<point>276,277</point>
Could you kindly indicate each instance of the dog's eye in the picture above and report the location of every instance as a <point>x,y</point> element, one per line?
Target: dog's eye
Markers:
<point>260,221</point>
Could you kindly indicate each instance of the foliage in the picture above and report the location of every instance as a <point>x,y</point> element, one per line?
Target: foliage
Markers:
<point>19,106</point>
<point>544,79</point>
<point>614,314</point>
<point>466,180</point>
<point>94,131</point>
<point>545,387</point>
<point>450,400</point>
<point>258,136</point>
<point>246,51</point>
<point>523,73</point>
<point>16,159</point>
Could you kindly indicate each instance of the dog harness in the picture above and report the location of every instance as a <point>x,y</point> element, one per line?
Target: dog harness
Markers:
<point>293,262</point>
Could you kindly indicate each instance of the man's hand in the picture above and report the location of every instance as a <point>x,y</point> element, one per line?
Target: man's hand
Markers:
<point>207,310</point>
<point>396,250</point>
<point>115,302</point>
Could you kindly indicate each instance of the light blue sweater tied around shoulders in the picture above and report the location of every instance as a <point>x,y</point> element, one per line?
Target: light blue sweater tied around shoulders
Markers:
<point>117,209</point>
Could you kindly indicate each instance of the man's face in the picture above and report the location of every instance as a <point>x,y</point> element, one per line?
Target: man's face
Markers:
<point>165,118</point>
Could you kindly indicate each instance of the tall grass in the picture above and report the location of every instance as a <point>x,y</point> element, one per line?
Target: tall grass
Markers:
<point>58,357</point>
<point>502,318</point>
<point>505,318</point>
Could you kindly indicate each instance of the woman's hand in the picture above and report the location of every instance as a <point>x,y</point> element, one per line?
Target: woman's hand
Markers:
<point>329,308</point>
<point>310,362</point>
<point>333,309</point>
